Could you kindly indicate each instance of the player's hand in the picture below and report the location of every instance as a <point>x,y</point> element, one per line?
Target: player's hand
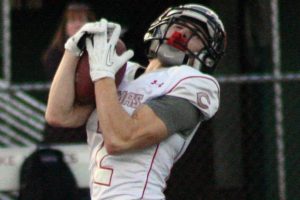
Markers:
<point>103,59</point>
<point>76,43</point>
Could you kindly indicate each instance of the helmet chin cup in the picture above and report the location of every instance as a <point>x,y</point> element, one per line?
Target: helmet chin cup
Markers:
<point>172,52</point>
<point>170,56</point>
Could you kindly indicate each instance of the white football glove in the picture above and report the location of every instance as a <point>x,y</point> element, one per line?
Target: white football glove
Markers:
<point>76,43</point>
<point>103,59</point>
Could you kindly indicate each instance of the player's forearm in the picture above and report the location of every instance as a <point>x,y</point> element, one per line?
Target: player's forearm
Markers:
<point>61,95</point>
<point>116,124</point>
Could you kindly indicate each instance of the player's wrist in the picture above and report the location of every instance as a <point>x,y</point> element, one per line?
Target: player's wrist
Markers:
<point>71,53</point>
<point>72,48</point>
<point>104,85</point>
<point>98,75</point>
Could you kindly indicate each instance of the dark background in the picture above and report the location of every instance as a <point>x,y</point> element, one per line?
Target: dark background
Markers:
<point>33,29</point>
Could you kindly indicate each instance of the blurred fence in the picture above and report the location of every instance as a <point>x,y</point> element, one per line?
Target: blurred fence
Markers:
<point>22,119</point>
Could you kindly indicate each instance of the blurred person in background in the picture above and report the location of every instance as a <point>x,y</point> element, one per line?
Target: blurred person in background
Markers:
<point>75,15</point>
<point>139,130</point>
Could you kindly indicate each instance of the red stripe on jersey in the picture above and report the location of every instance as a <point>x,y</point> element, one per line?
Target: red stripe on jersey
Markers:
<point>152,161</point>
<point>196,77</point>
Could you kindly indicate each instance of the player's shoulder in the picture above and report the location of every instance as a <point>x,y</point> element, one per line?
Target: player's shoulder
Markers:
<point>185,74</point>
<point>132,69</point>
<point>202,90</point>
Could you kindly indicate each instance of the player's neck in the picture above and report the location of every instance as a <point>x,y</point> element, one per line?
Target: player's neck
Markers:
<point>153,65</point>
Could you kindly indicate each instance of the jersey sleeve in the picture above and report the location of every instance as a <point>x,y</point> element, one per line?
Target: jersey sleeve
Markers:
<point>178,114</point>
<point>201,90</point>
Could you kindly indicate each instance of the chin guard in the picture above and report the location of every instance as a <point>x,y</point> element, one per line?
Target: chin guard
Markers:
<point>170,56</point>
<point>173,50</point>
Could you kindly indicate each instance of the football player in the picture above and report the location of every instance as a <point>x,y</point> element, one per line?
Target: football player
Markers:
<point>140,129</point>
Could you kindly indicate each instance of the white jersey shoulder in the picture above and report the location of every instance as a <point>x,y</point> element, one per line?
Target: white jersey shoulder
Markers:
<point>131,68</point>
<point>200,89</point>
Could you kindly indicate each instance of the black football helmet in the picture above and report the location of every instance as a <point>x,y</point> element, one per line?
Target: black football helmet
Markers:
<point>202,22</point>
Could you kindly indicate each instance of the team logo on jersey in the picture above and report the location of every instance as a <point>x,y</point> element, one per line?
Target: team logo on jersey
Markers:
<point>130,99</point>
<point>203,100</point>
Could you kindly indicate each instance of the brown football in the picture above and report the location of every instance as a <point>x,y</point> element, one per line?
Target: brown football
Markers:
<point>84,87</point>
